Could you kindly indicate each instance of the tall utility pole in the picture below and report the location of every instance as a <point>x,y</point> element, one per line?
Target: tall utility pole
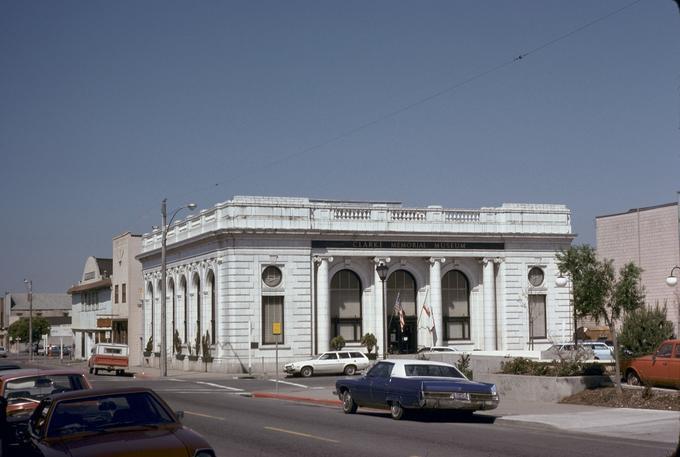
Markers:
<point>164,235</point>
<point>29,283</point>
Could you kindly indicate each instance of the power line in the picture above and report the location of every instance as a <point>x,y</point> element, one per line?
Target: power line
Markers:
<point>396,112</point>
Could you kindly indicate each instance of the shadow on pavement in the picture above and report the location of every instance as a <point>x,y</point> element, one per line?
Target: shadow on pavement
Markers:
<point>436,417</point>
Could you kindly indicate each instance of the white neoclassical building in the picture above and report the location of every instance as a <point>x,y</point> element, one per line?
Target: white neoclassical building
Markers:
<point>487,276</point>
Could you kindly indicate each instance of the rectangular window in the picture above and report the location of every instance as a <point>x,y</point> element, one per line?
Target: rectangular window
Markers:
<point>123,298</point>
<point>272,311</point>
<point>537,319</point>
<point>115,293</point>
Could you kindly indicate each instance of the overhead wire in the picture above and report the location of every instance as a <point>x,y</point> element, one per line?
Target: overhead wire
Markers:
<point>342,135</point>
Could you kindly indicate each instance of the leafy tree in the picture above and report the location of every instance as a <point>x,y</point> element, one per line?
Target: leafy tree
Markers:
<point>337,343</point>
<point>644,329</point>
<point>19,329</point>
<point>599,293</point>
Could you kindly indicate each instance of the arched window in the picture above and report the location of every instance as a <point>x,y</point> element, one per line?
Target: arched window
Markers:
<point>213,306</point>
<point>150,297</point>
<point>196,290</point>
<point>185,308</point>
<point>402,286</point>
<point>456,306</point>
<point>346,305</point>
<point>173,303</point>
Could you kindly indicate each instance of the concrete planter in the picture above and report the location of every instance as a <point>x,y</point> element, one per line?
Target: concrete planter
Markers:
<point>548,389</point>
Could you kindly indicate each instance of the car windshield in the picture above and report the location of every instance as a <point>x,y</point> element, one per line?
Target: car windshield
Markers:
<point>36,387</point>
<point>438,371</point>
<point>104,413</point>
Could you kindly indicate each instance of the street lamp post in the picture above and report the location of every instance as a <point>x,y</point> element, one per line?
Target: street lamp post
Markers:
<point>672,280</point>
<point>29,285</point>
<point>562,281</point>
<point>381,269</point>
<point>164,235</point>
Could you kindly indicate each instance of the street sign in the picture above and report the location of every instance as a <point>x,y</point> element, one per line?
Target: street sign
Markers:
<point>276,328</point>
<point>60,331</point>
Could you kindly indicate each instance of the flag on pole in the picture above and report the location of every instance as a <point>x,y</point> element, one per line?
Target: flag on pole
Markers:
<point>429,316</point>
<point>399,311</point>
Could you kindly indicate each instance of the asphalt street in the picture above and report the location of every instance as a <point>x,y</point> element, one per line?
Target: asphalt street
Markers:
<point>236,424</point>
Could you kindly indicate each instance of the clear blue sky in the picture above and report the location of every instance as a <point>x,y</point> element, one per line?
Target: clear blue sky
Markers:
<point>106,107</point>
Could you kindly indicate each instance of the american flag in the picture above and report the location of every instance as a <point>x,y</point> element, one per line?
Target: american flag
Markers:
<point>399,310</point>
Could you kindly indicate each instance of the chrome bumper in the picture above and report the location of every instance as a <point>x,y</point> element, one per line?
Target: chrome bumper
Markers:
<point>474,402</point>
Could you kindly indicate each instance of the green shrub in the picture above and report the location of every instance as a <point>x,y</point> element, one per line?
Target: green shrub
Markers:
<point>177,342</point>
<point>369,340</point>
<point>523,366</point>
<point>643,330</point>
<point>149,345</point>
<point>464,365</point>
<point>337,343</point>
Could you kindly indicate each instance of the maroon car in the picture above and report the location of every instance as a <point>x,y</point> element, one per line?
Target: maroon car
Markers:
<point>111,423</point>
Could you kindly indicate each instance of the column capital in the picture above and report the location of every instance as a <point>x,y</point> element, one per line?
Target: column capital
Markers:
<point>434,260</point>
<point>486,260</point>
<point>323,258</point>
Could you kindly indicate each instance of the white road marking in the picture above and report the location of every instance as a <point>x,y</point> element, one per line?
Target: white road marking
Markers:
<point>290,383</point>
<point>204,415</point>
<point>233,389</point>
<point>304,435</point>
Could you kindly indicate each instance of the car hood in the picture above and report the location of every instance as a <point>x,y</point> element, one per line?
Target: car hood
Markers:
<point>137,443</point>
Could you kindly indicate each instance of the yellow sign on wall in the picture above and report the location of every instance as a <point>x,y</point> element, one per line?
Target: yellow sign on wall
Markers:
<point>276,328</point>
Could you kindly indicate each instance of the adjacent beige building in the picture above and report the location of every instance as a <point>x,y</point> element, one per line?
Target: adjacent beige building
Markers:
<point>126,292</point>
<point>650,237</point>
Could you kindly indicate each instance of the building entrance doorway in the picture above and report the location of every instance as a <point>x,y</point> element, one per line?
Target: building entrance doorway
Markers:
<point>401,297</point>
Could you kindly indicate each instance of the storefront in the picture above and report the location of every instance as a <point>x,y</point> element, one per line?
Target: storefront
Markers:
<point>474,279</point>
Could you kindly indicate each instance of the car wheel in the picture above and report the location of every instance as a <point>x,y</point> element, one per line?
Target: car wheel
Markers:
<point>349,406</point>
<point>350,370</point>
<point>633,379</point>
<point>396,411</point>
<point>306,372</point>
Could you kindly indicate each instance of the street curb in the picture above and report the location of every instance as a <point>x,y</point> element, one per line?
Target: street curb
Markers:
<point>275,396</point>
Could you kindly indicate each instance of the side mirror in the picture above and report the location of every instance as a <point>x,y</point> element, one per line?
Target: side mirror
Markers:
<point>179,414</point>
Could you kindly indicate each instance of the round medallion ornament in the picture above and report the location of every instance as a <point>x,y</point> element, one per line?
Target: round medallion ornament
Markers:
<point>271,276</point>
<point>536,276</point>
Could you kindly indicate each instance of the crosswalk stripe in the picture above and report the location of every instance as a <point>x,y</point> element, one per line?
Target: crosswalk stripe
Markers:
<point>219,386</point>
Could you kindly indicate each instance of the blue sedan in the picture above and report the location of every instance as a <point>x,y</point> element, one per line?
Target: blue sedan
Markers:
<point>402,385</point>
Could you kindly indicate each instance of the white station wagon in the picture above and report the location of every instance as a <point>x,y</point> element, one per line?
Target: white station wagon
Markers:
<point>331,362</point>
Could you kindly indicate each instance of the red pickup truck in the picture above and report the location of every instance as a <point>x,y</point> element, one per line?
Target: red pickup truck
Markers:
<point>109,357</point>
<point>659,369</point>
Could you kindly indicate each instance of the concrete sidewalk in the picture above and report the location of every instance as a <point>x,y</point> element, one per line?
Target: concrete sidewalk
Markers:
<point>638,424</point>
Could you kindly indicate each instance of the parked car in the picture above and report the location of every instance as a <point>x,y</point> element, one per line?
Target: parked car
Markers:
<point>568,352</point>
<point>115,422</point>
<point>332,362</point>
<point>9,366</point>
<point>109,357</point>
<point>659,369</point>
<point>22,390</point>
<point>437,349</point>
<point>403,384</point>
<point>3,352</point>
<point>54,350</point>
